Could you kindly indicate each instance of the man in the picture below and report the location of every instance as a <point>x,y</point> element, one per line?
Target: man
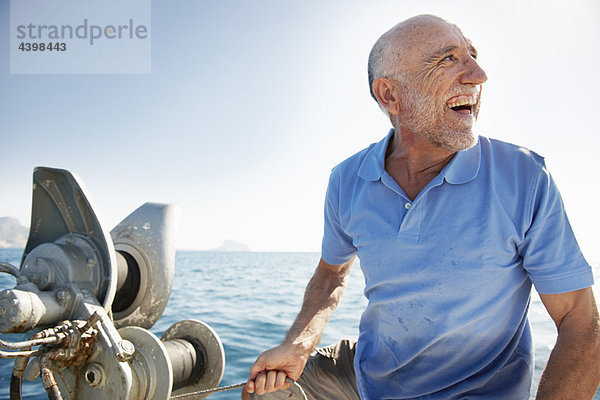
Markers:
<point>451,231</point>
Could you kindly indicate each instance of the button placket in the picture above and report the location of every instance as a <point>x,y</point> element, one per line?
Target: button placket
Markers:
<point>410,227</point>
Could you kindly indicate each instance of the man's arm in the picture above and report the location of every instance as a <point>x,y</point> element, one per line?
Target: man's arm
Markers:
<point>322,295</point>
<point>573,369</point>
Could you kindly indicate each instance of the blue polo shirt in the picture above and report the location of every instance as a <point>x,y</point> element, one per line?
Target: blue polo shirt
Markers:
<point>448,276</point>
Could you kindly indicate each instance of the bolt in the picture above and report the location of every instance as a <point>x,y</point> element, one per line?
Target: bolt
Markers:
<point>91,261</point>
<point>127,349</point>
<point>61,296</point>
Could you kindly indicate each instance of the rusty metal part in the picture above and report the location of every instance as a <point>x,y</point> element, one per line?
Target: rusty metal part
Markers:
<point>101,376</point>
<point>48,380</point>
<point>20,365</point>
<point>25,307</point>
<point>19,354</point>
<point>43,337</point>
<point>71,271</point>
<point>59,278</point>
<point>122,349</point>
<point>69,343</point>
<point>27,343</point>
<point>79,343</point>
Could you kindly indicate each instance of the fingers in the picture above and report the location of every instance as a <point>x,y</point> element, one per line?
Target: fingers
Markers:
<point>280,380</point>
<point>249,387</point>
<point>267,381</point>
<point>257,367</point>
<point>272,367</point>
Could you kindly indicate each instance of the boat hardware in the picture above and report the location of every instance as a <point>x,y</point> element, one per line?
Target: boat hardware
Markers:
<point>93,296</point>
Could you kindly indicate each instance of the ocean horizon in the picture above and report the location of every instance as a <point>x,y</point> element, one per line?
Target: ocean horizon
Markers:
<point>250,299</point>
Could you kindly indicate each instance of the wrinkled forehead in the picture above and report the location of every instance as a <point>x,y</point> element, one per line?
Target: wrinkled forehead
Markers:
<point>420,37</point>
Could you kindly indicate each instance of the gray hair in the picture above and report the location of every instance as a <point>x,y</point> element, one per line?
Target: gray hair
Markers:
<point>379,60</point>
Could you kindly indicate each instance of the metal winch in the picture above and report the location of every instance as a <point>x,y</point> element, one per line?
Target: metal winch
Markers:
<point>89,299</point>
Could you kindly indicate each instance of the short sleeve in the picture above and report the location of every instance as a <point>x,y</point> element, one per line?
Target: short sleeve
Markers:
<point>337,247</point>
<point>550,253</point>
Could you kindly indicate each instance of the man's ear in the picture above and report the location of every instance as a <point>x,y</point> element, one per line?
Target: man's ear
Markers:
<point>387,95</point>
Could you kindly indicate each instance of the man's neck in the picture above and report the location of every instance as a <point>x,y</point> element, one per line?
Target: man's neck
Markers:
<point>413,161</point>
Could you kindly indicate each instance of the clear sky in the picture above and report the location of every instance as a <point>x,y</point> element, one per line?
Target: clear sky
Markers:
<point>249,104</point>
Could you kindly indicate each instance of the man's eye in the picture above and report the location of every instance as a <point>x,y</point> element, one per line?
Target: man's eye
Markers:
<point>448,58</point>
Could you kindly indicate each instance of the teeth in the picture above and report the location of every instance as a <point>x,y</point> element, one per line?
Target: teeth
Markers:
<point>462,101</point>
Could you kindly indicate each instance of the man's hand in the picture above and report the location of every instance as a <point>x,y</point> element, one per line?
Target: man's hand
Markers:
<point>270,369</point>
<point>321,297</point>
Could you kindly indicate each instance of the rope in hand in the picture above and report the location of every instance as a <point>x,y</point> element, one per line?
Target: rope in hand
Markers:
<point>232,387</point>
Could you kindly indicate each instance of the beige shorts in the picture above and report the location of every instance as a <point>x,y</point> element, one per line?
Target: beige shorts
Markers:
<point>328,375</point>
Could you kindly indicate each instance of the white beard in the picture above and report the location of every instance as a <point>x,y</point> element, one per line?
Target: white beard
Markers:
<point>425,122</point>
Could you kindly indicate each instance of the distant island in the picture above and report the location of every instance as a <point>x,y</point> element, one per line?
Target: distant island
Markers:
<point>230,245</point>
<point>13,235</point>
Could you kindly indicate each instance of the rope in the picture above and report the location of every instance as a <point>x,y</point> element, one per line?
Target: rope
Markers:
<point>232,387</point>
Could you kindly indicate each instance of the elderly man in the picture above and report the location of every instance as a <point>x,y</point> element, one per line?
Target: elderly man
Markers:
<point>451,231</point>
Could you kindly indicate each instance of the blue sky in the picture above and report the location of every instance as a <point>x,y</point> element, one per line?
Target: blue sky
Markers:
<point>250,104</point>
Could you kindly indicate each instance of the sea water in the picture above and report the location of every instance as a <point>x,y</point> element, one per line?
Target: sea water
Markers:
<point>250,300</point>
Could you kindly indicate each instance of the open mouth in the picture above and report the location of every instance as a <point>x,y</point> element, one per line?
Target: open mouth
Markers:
<point>463,104</point>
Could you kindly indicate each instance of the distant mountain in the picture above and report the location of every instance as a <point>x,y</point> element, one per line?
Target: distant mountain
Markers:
<point>13,235</point>
<point>230,245</point>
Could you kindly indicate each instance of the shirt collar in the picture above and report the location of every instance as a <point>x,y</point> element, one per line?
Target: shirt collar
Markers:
<point>373,165</point>
<point>462,168</point>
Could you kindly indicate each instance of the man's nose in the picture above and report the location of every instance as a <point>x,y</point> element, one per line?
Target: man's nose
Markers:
<point>473,73</point>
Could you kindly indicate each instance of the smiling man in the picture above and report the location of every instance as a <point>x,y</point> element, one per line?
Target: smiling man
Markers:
<point>452,230</point>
